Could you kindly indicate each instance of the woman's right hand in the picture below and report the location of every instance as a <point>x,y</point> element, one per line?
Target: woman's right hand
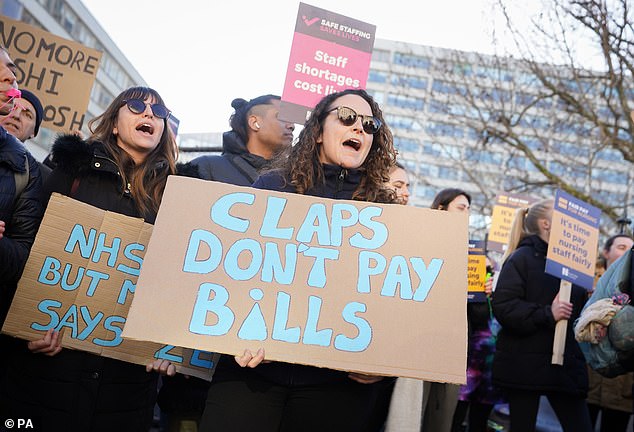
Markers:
<point>50,344</point>
<point>249,360</point>
<point>560,309</point>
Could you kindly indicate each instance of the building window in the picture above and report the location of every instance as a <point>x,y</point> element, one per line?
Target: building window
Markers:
<point>444,129</point>
<point>411,60</point>
<point>403,101</point>
<point>445,87</point>
<point>377,77</point>
<point>403,144</point>
<point>409,81</point>
<point>381,56</point>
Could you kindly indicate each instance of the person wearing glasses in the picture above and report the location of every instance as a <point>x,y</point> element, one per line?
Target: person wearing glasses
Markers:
<point>122,167</point>
<point>344,152</point>
<point>256,136</point>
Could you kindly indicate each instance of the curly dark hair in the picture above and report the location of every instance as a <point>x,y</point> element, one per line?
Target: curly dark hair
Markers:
<point>303,169</point>
<point>147,182</point>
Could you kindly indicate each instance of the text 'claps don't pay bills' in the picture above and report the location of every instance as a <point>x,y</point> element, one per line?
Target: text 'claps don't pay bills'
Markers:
<point>338,284</point>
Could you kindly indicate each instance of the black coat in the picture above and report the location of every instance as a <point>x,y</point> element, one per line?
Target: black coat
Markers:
<point>75,390</point>
<point>22,216</point>
<point>521,303</point>
<point>235,166</point>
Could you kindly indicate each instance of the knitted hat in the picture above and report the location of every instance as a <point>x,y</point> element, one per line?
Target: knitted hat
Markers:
<point>39,111</point>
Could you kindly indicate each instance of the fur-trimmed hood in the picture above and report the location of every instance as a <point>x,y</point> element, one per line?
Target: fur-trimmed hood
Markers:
<point>73,154</point>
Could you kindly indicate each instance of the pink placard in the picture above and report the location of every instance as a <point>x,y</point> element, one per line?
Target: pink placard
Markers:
<point>330,53</point>
<point>317,68</point>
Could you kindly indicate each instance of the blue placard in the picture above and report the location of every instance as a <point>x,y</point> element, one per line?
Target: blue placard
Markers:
<point>573,240</point>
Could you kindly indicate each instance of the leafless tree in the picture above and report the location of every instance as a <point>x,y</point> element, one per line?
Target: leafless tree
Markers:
<point>554,108</point>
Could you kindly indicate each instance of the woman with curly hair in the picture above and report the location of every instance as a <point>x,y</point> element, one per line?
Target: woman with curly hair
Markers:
<point>345,151</point>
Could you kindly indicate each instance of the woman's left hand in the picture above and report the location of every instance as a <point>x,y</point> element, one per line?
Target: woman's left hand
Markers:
<point>163,367</point>
<point>364,378</point>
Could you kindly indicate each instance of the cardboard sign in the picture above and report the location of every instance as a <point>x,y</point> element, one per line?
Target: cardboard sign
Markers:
<point>502,218</point>
<point>476,276</point>
<point>339,284</point>
<point>80,279</point>
<point>330,53</point>
<point>59,71</point>
<point>574,235</point>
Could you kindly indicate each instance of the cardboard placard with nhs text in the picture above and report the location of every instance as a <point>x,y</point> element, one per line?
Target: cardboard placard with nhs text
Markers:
<point>60,72</point>
<point>330,53</point>
<point>80,279</point>
<point>574,236</point>
<point>345,285</point>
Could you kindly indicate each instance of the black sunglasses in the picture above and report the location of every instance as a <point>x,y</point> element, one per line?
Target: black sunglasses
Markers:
<point>348,117</point>
<point>137,106</point>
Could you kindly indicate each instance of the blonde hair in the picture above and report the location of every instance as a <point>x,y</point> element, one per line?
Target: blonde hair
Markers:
<point>526,222</point>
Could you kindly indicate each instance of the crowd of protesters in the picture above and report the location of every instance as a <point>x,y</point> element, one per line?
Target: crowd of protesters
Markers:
<point>345,151</point>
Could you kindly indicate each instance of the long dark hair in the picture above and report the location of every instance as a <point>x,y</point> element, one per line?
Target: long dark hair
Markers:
<point>147,180</point>
<point>446,196</point>
<point>304,170</point>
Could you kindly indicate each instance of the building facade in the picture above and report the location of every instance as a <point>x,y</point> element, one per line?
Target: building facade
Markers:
<point>70,19</point>
<point>441,105</point>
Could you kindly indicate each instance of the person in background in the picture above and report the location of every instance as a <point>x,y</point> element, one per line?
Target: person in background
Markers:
<point>440,399</point>
<point>479,395</point>
<point>399,180</point>
<point>256,135</point>
<point>612,397</point>
<point>345,151</point>
<point>123,168</point>
<point>526,303</point>
<point>24,120</point>
<point>20,207</point>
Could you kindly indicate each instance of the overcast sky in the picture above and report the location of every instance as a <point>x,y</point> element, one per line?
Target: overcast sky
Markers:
<point>201,55</point>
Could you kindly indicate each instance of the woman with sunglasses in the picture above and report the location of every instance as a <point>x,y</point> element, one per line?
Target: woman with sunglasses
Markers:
<point>122,167</point>
<point>345,151</point>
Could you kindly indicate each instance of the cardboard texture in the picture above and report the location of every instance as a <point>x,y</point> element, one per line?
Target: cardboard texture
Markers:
<point>330,53</point>
<point>59,71</point>
<point>80,279</point>
<point>339,284</point>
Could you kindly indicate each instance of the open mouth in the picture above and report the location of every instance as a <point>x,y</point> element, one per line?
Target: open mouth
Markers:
<point>145,128</point>
<point>353,143</point>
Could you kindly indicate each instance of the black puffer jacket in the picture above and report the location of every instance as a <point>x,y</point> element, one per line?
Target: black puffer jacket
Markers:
<point>22,216</point>
<point>75,390</point>
<point>235,166</point>
<point>521,303</point>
